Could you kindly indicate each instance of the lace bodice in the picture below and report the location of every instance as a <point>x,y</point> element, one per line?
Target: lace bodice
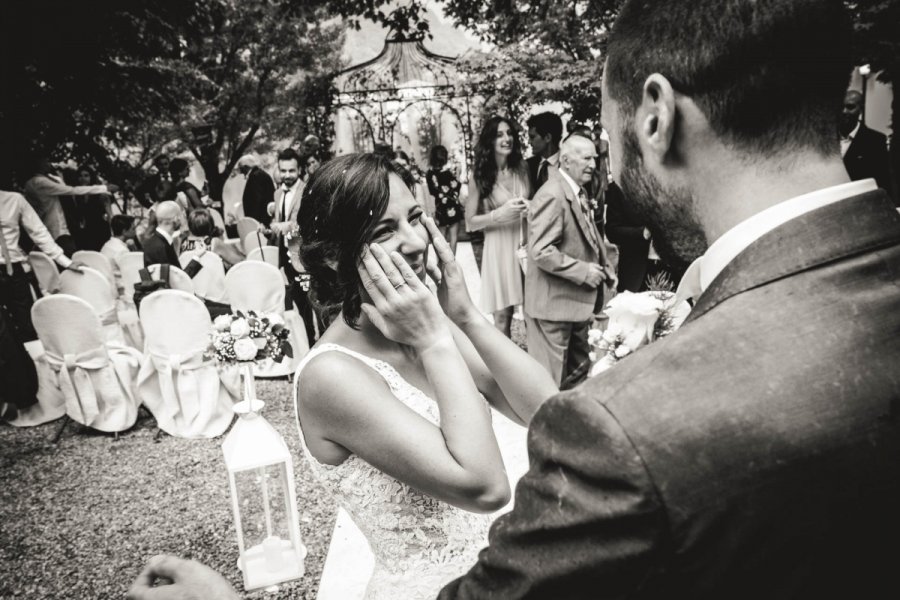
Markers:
<point>419,543</point>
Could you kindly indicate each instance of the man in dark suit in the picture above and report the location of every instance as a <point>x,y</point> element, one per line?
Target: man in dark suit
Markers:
<point>158,248</point>
<point>754,452</point>
<point>567,261</point>
<point>259,190</point>
<point>544,135</point>
<point>864,150</point>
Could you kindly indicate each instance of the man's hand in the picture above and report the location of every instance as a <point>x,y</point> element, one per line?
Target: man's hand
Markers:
<point>595,275</point>
<point>112,188</point>
<point>283,228</point>
<point>171,578</point>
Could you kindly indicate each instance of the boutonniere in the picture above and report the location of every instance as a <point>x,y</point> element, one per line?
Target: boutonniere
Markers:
<point>635,320</point>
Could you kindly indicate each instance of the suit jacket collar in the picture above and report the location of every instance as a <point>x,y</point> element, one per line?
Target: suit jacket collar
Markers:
<point>858,224</point>
<point>575,204</point>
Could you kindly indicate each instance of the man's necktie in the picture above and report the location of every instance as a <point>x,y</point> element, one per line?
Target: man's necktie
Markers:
<point>284,205</point>
<point>586,210</point>
<point>5,249</point>
<point>542,172</point>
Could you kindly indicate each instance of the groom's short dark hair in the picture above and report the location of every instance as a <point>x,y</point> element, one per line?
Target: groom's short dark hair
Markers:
<point>768,74</point>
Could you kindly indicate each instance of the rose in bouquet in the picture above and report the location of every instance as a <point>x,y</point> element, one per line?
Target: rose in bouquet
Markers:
<point>248,337</point>
<point>635,320</point>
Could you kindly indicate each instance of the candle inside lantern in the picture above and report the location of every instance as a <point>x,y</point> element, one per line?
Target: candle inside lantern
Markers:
<point>273,551</point>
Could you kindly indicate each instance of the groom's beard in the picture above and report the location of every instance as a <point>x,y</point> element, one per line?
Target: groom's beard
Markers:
<point>669,213</point>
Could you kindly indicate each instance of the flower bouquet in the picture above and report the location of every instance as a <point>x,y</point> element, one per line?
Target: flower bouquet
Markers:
<point>635,320</point>
<point>243,338</point>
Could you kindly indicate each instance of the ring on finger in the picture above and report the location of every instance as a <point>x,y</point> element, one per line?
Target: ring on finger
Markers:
<point>399,284</point>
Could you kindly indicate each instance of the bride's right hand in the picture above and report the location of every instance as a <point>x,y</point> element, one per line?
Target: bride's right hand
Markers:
<point>402,308</point>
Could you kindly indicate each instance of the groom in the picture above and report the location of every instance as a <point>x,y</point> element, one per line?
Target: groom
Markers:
<point>755,453</point>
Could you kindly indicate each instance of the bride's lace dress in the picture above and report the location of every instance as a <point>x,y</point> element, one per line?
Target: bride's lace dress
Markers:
<point>420,543</point>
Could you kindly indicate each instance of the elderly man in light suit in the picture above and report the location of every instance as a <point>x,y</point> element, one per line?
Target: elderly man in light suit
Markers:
<point>567,263</point>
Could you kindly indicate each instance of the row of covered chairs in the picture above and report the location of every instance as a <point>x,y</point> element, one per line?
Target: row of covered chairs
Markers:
<point>101,383</point>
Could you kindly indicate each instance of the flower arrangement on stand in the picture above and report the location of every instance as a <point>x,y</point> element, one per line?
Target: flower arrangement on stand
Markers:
<point>243,338</point>
<point>635,320</point>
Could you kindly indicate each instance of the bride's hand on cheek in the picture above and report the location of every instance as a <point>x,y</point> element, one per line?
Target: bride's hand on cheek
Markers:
<point>402,308</point>
<point>452,291</point>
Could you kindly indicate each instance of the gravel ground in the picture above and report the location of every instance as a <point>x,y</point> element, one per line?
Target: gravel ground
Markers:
<point>79,519</point>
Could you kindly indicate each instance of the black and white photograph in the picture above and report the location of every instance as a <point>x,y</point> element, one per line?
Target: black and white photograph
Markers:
<point>449,300</point>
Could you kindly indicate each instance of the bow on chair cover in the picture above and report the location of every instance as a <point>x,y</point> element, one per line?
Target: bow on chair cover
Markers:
<point>186,394</point>
<point>96,385</point>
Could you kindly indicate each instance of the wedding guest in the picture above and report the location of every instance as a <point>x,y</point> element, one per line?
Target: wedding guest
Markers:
<point>87,216</point>
<point>145,190</point>
<point>568,265</point>
<point>286,227</point>
<point>158,248</point>
<point>311,162</point>
<point>122,240</point>
<point>16,279</point>
<point>864,150</point>
<point>204,234</point>
<point>443,185</point>
<point>189,195</point>
<point>259,190</point>
<point>497,204</point>
<point>544,135</point>
<point>43,192</point>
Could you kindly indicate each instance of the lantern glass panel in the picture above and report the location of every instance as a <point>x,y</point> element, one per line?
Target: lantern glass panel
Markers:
<point>263,497</point>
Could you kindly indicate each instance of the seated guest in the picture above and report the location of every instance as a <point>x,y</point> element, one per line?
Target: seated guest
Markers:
<point>122,240</point>
<point>204,234</point>
<point>158,248</point>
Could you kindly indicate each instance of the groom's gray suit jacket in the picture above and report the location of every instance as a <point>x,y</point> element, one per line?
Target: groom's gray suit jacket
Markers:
<point>755,453</point>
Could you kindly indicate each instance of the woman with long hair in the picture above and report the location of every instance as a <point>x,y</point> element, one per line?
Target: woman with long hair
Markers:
<point>497,203</point>
<point>390,401</point>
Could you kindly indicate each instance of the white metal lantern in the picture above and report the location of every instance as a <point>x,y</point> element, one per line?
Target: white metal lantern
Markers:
<point>261,475</point>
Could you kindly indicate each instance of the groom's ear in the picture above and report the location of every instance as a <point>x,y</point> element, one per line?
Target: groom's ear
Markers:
<point>656,116</point>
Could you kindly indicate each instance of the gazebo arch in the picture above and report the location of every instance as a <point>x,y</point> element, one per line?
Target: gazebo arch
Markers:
<point>405,74</point>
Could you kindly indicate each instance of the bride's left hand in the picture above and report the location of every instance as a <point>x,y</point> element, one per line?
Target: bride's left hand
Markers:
<point>452,291</point>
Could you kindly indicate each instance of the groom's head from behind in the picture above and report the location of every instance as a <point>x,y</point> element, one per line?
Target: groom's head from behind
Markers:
<point>696,90</point>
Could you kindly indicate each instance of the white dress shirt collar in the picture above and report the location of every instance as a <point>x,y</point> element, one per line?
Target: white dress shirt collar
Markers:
<point>165,234</point>
<point>575,187</point>
<point>552,160</point>
<point>701,273</point>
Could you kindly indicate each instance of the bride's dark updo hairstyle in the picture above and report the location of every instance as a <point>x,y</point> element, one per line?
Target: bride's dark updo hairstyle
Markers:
<point>342,203</point>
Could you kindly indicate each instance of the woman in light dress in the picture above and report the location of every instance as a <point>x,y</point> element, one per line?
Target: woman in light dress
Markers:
<point>497,204</point>
<point>391,402</point>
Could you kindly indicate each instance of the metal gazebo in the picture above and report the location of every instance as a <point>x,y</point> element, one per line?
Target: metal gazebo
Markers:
<point>409,98</point>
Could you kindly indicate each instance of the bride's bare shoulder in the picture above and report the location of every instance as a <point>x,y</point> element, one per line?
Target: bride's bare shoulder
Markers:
<point>336,381</point>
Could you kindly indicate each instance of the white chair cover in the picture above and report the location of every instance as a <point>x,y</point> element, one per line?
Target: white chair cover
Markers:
<point>189,395</point>
<point>218,221</point>
<point>209,282</point>
<point>246,225</point>
<point>46,271</point>
<point>130,265</point>
<point>178,279</point>
<point>95,378</point>
<point>267,254</point>
<point>252,241</point>
<point>93,287</point>
<point>99,263</point>
<point>51,403</point>
<point>259,286</point>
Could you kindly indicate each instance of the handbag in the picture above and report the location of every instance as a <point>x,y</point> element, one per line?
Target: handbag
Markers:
<point>522,250</point>
<point>147,285</point>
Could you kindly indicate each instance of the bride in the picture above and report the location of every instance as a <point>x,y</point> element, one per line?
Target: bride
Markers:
<point>391,401</point>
